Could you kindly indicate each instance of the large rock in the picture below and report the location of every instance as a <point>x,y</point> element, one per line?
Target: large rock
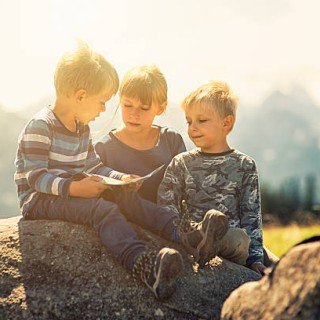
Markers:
<point>58,270</point>
<point>290,291</point>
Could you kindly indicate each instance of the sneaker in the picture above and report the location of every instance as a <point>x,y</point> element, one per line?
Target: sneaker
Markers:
<point>201,240</point>
<point>159,271</point>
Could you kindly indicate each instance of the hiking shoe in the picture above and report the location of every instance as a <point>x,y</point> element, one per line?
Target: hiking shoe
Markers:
<point>159,271</point>
<point>201,239</point>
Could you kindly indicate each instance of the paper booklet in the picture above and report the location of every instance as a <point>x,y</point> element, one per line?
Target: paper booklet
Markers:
<point>115,182</point>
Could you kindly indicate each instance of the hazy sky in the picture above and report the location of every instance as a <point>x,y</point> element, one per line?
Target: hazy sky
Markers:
<point>255,45</point>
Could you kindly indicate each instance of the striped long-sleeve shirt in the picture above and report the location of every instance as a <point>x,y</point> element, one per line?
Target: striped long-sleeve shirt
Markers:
<point>49,155</point>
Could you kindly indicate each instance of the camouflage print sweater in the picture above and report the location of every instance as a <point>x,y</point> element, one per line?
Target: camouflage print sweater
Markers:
<point>227,182</point>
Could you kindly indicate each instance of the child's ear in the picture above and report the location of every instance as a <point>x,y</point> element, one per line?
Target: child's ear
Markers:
<point>80,95</point>
<point>162,107</point>
<point>228,122</point>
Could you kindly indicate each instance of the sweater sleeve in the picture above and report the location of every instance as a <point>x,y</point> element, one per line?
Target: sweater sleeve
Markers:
<point>250,214</point>
<point>179,145</point>
<point>100,149</point>
<point>94,165</point>
<point>35,148</point>
<point>170,189</point>
<point>175,142</point>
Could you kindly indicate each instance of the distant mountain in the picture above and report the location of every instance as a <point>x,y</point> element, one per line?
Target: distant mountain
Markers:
<point>282,135</point>
<point>10,127</point>
<point>33,108</point>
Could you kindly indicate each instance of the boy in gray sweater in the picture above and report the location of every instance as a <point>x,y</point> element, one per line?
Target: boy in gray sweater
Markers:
<point>216,177</point>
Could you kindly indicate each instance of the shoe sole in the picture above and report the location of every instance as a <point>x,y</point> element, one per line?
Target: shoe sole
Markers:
<point>169,268</point>
<point>214,226</point>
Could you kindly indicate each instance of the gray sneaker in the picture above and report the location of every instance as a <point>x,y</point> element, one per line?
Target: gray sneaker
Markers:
<point>159,271</point>
<point>201,239</point>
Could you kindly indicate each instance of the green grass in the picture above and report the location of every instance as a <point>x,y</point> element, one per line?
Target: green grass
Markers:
<point>279,239</point>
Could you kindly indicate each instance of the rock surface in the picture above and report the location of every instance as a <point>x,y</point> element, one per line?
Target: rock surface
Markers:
<point>58,270</point>
<point>290,291</point>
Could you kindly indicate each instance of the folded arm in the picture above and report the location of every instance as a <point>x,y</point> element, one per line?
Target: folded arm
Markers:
<point>170,191</point>
<point>250,215</point>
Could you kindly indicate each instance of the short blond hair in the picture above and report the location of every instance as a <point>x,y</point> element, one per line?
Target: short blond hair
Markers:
<point>216,95</point>
<point>146,83</point>
<point>85,69</point>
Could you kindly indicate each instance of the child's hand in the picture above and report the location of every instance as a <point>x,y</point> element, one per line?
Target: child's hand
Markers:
<point>89,187</point>
<point>258,267</point>
<point>133,186</point>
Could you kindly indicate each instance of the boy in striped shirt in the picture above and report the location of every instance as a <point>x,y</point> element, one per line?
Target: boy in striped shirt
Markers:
<point>56,145</point>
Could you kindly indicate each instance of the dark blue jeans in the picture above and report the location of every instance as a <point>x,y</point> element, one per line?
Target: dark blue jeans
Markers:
<point>109,220</point>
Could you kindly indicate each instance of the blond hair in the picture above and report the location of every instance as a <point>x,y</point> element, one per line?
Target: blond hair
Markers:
<point>216,95</point>
<point>85,69</point>
<point>146,83</point>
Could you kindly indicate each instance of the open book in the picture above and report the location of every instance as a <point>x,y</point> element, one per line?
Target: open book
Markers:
<point>114,182</point>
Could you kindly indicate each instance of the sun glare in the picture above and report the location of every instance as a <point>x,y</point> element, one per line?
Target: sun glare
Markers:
<point>258,55</point>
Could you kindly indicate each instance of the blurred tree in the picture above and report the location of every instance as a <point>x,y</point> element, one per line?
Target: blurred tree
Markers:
<point>310,192</point>
<point>284,201</point>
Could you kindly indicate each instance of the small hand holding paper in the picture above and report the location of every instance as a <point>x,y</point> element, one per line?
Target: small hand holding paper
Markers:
<point>87,187</point>
<point>132,186</point>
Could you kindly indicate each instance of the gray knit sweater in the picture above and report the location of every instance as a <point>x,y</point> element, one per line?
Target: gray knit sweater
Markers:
<point>227,182</point>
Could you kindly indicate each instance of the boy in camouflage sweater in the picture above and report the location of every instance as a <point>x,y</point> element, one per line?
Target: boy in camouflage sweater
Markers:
<point>216,177</point>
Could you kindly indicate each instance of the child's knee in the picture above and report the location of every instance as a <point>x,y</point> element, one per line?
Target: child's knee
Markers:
<point>106,210</point>
<point>235,246</point>
<point>244,239</point>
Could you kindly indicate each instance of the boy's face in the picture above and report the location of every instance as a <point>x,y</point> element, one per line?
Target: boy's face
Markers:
<point>207,129</point>
<point>136,116</point>
<point>89,107</point>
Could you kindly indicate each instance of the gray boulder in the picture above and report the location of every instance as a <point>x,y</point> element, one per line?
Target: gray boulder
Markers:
<point>59,270</point>
<point>290,291</point>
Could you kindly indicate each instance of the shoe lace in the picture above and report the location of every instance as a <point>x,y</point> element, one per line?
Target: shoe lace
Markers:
<point>184,223</point>
<point>185,228</point>
<point>144,269</point>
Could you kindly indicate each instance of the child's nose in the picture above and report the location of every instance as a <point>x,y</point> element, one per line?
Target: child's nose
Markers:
<point>192,127</point>
<point>135,112</point>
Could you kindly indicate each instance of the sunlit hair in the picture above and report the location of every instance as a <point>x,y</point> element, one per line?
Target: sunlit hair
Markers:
<point>145,83</point>
<point>216,95</point>
<point>85,69</point>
